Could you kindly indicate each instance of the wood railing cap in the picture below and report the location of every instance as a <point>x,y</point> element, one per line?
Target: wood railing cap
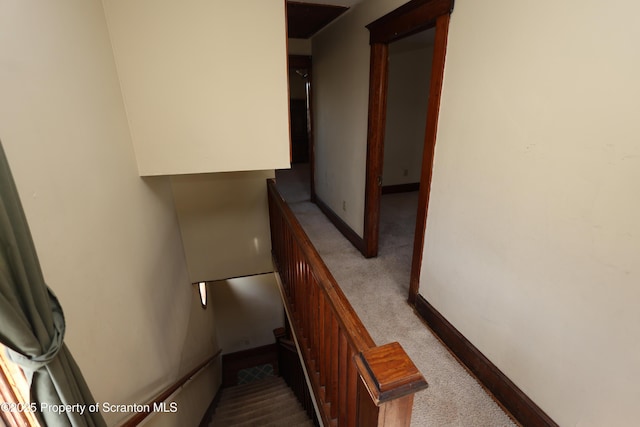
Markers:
<point>389,373</point>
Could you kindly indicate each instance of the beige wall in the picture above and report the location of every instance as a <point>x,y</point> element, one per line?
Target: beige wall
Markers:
<point>407,98</point>
<point>533,239</point>
<point>340,95</point>
<point>248,309</point>
<point>299,46</point>
<point>224,221</point>
<point>204,83</point>
<point>108,241</point>
<point>190,409</point>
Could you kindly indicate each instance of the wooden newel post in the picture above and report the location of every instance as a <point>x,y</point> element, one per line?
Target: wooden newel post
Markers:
<point>388,381</point>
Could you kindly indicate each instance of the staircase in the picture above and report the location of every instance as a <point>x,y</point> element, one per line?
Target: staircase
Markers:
<point>265,403</point>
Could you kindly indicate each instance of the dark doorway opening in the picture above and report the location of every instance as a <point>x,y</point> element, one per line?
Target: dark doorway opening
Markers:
<point>301,119</point>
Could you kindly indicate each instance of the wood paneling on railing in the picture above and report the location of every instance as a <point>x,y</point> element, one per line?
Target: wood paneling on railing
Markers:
<point>355,383</point>
<point>292,372</point>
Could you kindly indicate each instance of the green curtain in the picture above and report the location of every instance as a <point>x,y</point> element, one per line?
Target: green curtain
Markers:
<point>32,324</point>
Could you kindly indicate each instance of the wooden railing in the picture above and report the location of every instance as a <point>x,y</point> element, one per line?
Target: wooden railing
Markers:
<point>290,369</point>
<point>355,383</point>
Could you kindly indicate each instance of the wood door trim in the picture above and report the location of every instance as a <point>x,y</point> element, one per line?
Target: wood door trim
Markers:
<point>408,19</point>
<point>433,110</point>
<point>378,78</point>
<point>412,17</point>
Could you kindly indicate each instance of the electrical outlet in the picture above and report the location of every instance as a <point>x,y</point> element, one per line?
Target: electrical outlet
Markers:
<point>344,206</point>
<point>405,172</point>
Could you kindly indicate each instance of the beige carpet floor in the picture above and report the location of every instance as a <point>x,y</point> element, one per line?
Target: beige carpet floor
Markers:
<point>378,288</point>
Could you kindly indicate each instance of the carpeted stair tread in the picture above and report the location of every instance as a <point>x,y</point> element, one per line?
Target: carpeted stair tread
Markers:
<point>256,386</point>
<point>246,402</point>
<point>265,382</point>
<point>265,403</point>
<point>268,406</point>
<point>274,388</point>
<point>274,399</point>
<point>259,404</point>
<point>296,419</point>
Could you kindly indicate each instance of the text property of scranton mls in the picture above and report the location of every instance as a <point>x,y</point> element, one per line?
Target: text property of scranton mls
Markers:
<point>81,408</point>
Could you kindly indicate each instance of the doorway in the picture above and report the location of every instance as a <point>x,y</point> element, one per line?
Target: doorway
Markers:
<point>409,76</point>
<point>407,20</point>
<point>300,178</point>
<point>410,61</point>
